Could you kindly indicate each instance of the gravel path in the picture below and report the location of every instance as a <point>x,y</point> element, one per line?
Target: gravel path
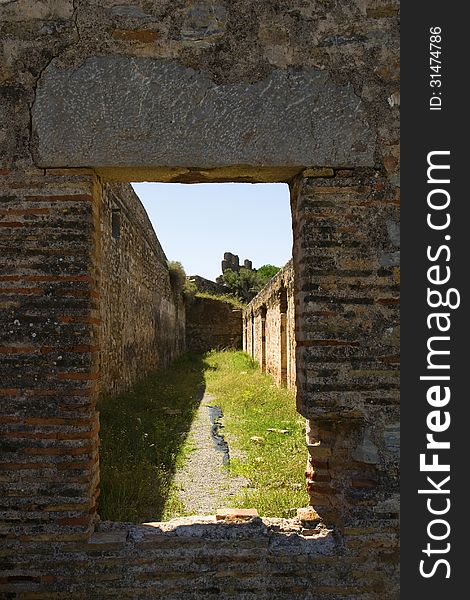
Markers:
<point>203,483</point>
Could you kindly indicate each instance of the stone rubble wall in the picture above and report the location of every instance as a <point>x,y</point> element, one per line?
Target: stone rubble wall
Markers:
<point>50,287</point>
<point>212,324</point>
<point>267,306</point>
<point>347,329</point>
<point>196,558</point>
<point>206,285</point>
<point>143,318</point>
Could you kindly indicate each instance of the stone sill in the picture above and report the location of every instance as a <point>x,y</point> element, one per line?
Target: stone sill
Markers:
<point>262,532</point>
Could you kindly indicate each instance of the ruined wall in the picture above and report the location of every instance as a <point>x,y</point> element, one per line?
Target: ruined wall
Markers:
<point>206,285</point>
<point>269,327</point>
<point>346,246</point>
<point>303,91</point>
<point>194,558</point>
<point>50,356</point>
<point>212,324</point>
<point>143,320</point>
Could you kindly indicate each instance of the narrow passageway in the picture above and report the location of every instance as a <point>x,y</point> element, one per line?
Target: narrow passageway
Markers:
<point>203,483</point>
<point>165,444</point>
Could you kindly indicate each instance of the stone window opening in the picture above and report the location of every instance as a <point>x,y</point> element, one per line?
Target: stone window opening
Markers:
<point>116,223</point>
<point>123,274</point>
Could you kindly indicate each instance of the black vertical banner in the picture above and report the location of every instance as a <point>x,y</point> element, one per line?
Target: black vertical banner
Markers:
<point>435,430</point>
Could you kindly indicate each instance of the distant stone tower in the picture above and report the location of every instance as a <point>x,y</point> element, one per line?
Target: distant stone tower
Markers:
<point>231,261</point>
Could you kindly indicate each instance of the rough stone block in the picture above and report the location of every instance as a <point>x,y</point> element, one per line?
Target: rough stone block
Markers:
<point>320,172</point>
<point>23,10</point>
<point>121,112</point>
<point>308,515</point>
<point>231,514</point>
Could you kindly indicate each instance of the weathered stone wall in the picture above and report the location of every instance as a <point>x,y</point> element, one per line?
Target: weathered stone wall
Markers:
<point>142,316</point>
<point>194,558</point>
<point>304,91</point>
<point>269,327</point>
<point>206,285</point>
<point>50,355</point>
<point>212,324</point>
<point>347,328</point>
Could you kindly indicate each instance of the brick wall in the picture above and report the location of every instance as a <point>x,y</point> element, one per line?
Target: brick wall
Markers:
<point>269,327</point>
<point>347,323</point>
<point>50,355</point>
<point>200,558</point>
<point>143,320</point>
<point>212,324</point>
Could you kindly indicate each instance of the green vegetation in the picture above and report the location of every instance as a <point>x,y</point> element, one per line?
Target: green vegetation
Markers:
<point>241,287</point>
<point>142,442</point>
<point>247,283</point>
<point>261,422</point>
<point>265,273</point>
<point>236,302</point>
<point>143,438</point>
<point>179,282</point>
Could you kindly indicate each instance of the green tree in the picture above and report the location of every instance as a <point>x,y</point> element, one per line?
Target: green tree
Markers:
<point>179,281</point>
<point>247,283</point>
<point>266,272</point>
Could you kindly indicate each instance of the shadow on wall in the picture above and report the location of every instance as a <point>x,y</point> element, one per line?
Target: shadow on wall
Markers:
<point>142,434</point>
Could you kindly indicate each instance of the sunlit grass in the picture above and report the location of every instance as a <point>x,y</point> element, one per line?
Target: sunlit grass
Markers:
<point>234,301</point>
<point>144,439</point>
<point>273,461</point>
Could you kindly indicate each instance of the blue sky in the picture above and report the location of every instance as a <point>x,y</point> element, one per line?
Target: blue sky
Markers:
<point>197,223</point>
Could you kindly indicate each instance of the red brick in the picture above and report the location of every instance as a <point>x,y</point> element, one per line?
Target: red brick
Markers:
<point>10,392</point>
<point>75,521</point>
<point>388,301</point>
<point>235,513</point>
<point>363,483</point>
<point>84,348</point>
<point>32,291</point>
<point>25,211</point>
<point>9,419</point>
<point>25,349</point>
<point>12,224</point>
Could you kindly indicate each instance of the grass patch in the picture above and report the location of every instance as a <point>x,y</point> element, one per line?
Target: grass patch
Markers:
<point>142,442</point>
<point>273,461</point>
<point>235,302</point>
<point>144,438</point>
